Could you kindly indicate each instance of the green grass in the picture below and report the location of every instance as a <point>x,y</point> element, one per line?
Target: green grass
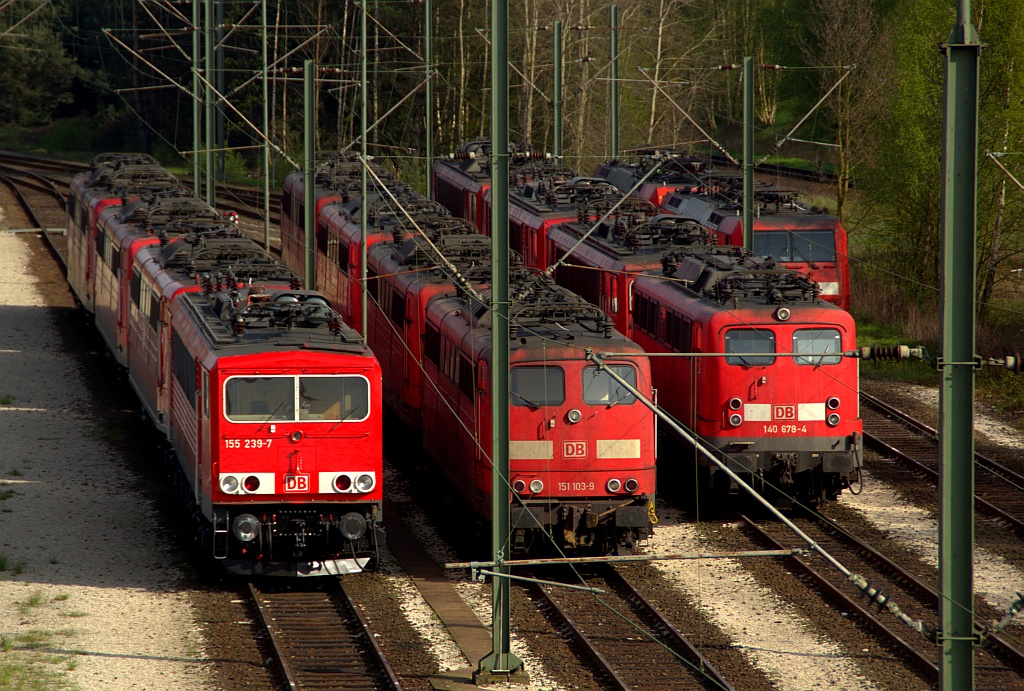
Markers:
<point>74,614</point>
<point>26,667</point>
<point>6,494</point>
<point>4,562</point>
<point>6,399</point>
<point>36,599</point>
<point>15,472</point>
<point>62,597</point>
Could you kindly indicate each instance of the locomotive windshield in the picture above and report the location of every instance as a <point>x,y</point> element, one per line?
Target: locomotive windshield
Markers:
<point>316,398</point>
<point>599,388</point>
<point>537,386</point>
<point>817,341</point>
<point>796,245</point>
<point>749,341</point>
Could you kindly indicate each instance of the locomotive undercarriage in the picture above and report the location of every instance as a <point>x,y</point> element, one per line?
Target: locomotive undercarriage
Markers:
<point>815,473</point>
<point>312,540</point>
<point>600,525</point>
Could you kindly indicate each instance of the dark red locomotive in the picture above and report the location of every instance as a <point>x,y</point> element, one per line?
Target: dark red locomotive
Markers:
<point>659,172</point>
<point>807,240</point>
<point>601,265</point>
<point>582,450</point>
<point>784,422</point>
<point>269,401</point>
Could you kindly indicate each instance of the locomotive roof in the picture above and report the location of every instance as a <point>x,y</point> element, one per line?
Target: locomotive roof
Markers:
<point>223,253</point>
<point>639,237</point>
<point>254,316</point>
<point>119,175</point>
<point>551,192</point>
<point>381,209</point>
<point>675,167</point>
<point>722,196</point>
<point>540,308</point>
<point>342,172</point>
<point>724,274</point>
<point>469,254</point>
<point>473,160</point>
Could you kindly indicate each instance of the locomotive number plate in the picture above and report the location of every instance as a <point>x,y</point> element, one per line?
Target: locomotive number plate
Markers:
<point>784,429</point>
<point>248,443</point>
<point>296,483</point>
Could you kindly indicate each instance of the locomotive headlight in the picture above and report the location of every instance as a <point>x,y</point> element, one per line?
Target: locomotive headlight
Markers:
<point>296,436</point>
<point>246,527</point>
<point>614,485</point>
<point>735,404</point>
<point>251,483</point>
<point>352,526</point>
<point>229,483</point>
<point>518,486</point>
<point>574,416</point>
<point>343,483</point>
<point>536,486</point>
<point>735,419</point>
<point>832,419</point>
<point>631,485</point>
<point>364,482</point>
<point>783,314</point>
<point>832,403</point>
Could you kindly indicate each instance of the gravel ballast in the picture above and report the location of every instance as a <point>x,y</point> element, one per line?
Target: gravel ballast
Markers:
<point>89,588</point>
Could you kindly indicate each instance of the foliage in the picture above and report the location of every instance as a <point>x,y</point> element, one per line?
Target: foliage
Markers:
<point>131,87</point>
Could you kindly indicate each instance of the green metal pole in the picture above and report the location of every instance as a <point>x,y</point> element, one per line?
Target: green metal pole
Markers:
<point>266,136</point>
<point>428,55</point>
<point>363,212</point>
<point>219,80</point>
<point>500,664</point>
<point>309,177</point>
<point>558,89</point>
<point>956,395</point>
<point>748,153</point>
<point>615,81</point>
<point>211,116</point>
<point>197,104</point>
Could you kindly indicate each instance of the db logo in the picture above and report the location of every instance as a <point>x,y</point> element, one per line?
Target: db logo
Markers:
<point>296,483</point>
<point>574,449</point>
<point>784,412</point>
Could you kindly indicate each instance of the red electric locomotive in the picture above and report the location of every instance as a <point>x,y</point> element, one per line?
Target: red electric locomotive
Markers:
<point>785,422</point>
<point>269,401</point>
<point>112,179</point>
<point>581,447</point>
<point>572,479</point>
<point>462,180</point>
<point>405,275</point>
<point>601,268</point>
<point>339,236</point>
<point>337,179</point>
<point>541,203</point>
<point>807,240</point>
<point>673,171</point>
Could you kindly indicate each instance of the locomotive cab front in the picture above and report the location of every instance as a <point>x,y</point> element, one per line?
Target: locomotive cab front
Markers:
<point>296,481</point>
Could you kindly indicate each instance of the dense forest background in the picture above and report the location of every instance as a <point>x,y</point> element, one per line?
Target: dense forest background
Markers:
<point>94,75</point>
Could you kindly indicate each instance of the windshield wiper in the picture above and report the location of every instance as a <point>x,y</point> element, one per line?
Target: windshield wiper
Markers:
<point>524,399</point>
<point>271,416</point>
<point>620,399</point>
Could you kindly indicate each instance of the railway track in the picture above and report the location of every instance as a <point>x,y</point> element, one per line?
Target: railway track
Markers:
<point>626,638</point>
<point>1000,665</point>
<point>999,490</point>
<point>321,640</point>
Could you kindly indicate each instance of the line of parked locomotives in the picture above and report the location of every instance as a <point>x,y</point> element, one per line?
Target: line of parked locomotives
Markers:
<point>272,402</point>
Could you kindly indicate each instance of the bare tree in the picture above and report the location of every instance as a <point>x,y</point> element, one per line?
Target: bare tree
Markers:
<point>845,35</point>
